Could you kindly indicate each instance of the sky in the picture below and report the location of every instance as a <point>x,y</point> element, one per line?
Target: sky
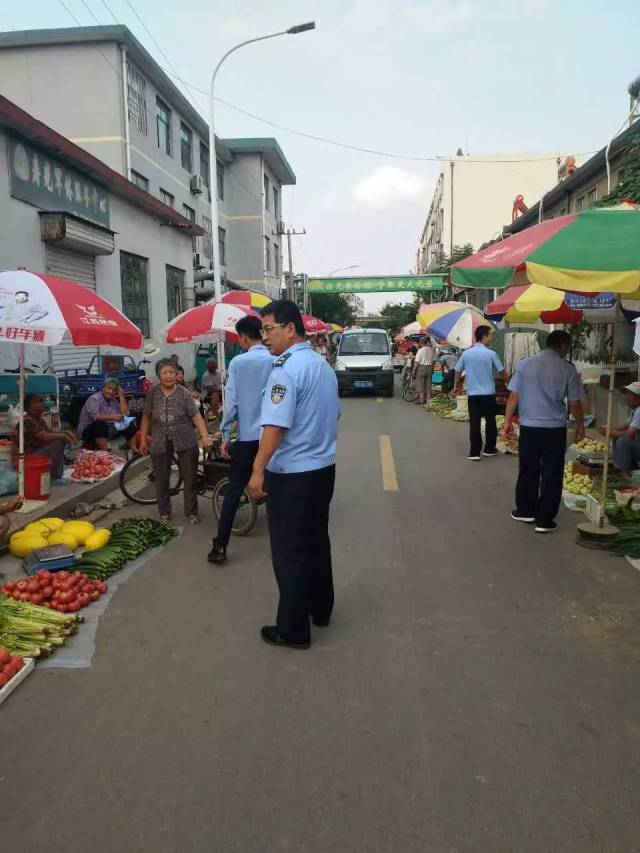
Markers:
<point>416,79</point>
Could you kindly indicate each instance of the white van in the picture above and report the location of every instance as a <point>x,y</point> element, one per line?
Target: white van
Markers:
<point>364,362</point>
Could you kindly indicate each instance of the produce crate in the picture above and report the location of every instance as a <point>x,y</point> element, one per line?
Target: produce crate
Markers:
<point>17,679</point>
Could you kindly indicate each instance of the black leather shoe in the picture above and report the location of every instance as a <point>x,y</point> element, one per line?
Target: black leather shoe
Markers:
<point>322,623</point>
<point>217,554</point>
<point>269,634</point>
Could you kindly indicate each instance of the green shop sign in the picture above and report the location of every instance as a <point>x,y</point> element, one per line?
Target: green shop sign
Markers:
<point>377,284</point>
<point>46,183</point>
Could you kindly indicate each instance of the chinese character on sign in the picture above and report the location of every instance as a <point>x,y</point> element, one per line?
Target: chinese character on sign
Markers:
<point>35,171</point>
<point>25,334</point>
<point>103,204</point>
<point>68,187</point>
<point>94,200</point>
<point>11,333</point>
<point>57,179</point>
<point>77,186</point>
<point>46,180</point>
<point>85,195</point>
<point>38,336</point>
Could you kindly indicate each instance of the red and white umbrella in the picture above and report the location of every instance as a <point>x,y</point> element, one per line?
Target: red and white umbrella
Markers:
<point>204,323</point>
<point>312,325</point>
<point>42,310</point>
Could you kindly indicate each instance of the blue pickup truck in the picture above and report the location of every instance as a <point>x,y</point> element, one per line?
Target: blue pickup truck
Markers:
<point>77,385</point>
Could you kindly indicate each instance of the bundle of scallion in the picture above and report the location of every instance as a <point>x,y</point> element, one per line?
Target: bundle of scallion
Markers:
<point>30,630</point>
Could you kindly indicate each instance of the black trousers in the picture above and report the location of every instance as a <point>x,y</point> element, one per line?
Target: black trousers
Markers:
<point>242,455</point>
<point>482,406</point>
<point>539,486</point>
<point>100,429</point>
<point>298,516</point>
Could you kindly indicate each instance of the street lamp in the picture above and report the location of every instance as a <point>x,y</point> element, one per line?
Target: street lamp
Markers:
<point>343,269</point>
<point>213,168</point>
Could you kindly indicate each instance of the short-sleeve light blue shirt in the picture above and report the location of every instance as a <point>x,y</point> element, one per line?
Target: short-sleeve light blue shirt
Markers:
<point>248,374</point>
<point>635,419</point>
<point>301,395</point>
<point>544,383</point>
<point>477,364</point>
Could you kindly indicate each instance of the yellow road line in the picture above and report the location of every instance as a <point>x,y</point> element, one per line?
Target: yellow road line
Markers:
<point>388,466</point>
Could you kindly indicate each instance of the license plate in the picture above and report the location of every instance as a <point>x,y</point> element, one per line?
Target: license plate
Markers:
<point>363,383</point>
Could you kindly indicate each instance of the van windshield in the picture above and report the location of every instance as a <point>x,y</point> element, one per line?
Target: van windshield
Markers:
<point>367,343</point>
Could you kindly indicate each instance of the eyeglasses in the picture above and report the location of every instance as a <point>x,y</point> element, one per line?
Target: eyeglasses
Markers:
<point>266,329</point>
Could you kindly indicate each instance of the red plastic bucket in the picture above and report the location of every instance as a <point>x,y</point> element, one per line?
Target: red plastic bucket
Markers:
<point>37,477</point>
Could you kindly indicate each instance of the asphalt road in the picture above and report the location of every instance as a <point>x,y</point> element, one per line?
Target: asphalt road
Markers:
<point>477,690</point>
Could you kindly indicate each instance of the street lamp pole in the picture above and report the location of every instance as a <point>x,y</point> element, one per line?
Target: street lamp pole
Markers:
<point>213,165</point>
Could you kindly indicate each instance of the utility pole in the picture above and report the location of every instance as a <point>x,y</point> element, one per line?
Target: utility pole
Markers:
<point>291,288</point>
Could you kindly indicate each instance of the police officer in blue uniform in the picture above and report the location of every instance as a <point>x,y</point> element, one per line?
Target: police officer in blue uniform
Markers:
<point>295,469</point>
<point>248,374</point>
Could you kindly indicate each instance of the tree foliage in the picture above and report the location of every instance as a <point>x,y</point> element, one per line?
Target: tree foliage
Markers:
<point>395,317</point>
<point>458,253</point>
<point>629,186</point>
<point>340,308</point>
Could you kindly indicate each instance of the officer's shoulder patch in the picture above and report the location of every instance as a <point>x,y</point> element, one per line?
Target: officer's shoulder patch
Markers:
<point>280,361</point>
<point>278,393</point>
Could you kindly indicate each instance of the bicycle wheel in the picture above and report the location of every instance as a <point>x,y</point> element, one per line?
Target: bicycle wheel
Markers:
<point>409,393</point>
<point>138,482</point>
<point>247,511</point>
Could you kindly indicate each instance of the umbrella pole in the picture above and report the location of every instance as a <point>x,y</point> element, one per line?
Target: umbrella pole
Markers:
<point>21,424</point>
<point>612,385</point>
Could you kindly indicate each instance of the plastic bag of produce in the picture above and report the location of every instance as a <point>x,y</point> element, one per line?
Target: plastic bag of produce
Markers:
<point>8,480</point>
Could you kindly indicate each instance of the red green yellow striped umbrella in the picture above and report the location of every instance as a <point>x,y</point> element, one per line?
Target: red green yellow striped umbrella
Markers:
<point>591,252</point>
<point>528,303</point>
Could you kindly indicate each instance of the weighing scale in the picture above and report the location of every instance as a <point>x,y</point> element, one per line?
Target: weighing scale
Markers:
<point>53,558</point>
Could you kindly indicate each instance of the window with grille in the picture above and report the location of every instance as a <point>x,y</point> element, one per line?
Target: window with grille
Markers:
<point>220,179</point>
<point>140,180</point>
<point>186,147</point>
<point>166,198</point>
<point>267,200</point>
<point>175,292</point>
<point>204,163</point>
<point>275,202</point>
<point>135,290</point>
<point>207,239</point>
<point>267,254</point>
<point>163,126</point>
<point>276,259</point>
<point>592,197</point>
<point>136,98</point>
<point>222,246</point>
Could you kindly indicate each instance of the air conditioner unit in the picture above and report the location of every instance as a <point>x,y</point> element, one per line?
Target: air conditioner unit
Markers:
<point>197,261</point>
<point>196,185</point>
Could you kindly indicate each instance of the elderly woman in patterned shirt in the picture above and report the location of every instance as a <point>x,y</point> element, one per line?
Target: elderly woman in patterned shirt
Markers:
<point>169,424</point>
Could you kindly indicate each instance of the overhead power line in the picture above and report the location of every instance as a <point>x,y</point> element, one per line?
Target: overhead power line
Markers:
<point>435,158</point>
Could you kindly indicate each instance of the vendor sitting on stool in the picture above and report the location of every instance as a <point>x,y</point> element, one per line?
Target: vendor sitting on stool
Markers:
<point>39,440</point>
<point>99,414</point>
<point>626,448</point>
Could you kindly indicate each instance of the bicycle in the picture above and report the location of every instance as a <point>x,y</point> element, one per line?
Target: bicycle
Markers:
<point>409,392</point>
<point>137,483</point>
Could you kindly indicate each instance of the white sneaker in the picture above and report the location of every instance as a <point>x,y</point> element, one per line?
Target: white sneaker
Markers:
<point>473,458</point>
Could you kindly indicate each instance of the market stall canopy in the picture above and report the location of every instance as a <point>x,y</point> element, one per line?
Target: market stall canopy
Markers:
<point>246,299</point>
<point>591,252</point>
<point>42,310</point>
<point>377,284</point>
<point>454,322</point>
<point>204,323</point>
<point>313,325</point>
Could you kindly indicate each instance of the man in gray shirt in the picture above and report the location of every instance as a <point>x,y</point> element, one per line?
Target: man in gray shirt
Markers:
<point>626,450</point>
<point>540,388</point>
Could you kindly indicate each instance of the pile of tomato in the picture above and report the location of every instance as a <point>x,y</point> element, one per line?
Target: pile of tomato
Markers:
<point>10,665</point>
<point>63,591</point>
<point>93,466</point>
